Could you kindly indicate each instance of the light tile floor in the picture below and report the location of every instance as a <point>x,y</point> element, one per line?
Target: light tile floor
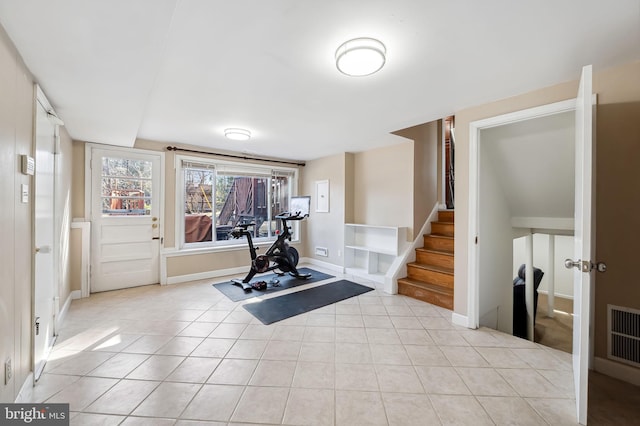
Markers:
<point>186,355</point>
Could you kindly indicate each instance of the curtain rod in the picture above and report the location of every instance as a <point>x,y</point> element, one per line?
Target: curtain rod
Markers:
<point>175,148</point>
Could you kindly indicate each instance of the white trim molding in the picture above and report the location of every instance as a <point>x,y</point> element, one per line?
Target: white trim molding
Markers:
<point>475,128</point>
<point>85,250</point>
<point>206,275</point>
<point>409,255</point>
<point>461,320</point>
<point>330,266</point>
<point>26,390</point>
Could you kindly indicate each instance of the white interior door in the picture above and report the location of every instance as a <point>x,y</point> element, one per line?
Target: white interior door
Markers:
<point>44,240</point>
<point>125,216</point>
<point>584,247</point>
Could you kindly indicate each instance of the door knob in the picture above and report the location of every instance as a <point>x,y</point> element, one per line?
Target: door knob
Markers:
<point>568,263</point>
<point>155,225</point>
<point>585,265</point>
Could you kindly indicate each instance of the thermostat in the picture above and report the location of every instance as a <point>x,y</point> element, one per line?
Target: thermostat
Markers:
<point>28,165</point>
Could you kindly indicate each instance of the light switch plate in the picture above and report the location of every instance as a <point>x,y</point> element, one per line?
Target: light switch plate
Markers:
<point>25,193</point>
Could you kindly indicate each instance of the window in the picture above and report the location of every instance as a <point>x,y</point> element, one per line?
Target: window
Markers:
<point>216,196</point>
<point>126,187</point>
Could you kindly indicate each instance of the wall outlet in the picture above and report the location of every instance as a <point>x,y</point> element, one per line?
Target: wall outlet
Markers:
<point>8,371</point>
<point>322,251</point>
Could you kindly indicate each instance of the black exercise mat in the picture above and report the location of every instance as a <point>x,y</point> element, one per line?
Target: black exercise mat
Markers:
<point>236,293</point>
<point>278,308</point>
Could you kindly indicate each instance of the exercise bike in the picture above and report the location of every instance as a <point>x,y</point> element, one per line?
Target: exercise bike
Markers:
<point>280,257</point>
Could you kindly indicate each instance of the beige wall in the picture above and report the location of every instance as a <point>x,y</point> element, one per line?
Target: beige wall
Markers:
<point>427,170</point>
<point>617,198</point>
<point>16,238</point>
<point>327,229</point>
<point>16,121</point>
<point>383,186</point>
<point>176,265</point>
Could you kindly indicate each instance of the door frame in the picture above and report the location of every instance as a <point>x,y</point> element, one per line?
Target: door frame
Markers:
<point>88,154</point>
<point>475,127</point>
<point>473,289</point>
<point>40,100</point>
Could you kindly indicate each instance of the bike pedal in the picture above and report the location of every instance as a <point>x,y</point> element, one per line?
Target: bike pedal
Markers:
<point>259,285</point>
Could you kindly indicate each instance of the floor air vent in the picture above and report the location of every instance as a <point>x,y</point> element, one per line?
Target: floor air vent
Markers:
<point>624,334</point>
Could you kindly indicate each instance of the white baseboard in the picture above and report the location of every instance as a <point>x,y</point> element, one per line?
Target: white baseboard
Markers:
<point>461,320</point>
<point>326,265</point>
<point>26,390</point>
<point>617,370</point>
<point>242,270</point>
<point>207,275</point>
<point>76,294</point>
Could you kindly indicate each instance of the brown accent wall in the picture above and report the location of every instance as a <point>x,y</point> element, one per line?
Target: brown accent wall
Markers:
<point>617,194</point>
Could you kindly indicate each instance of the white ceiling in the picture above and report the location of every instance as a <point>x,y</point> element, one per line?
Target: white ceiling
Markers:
<point>181,71</point>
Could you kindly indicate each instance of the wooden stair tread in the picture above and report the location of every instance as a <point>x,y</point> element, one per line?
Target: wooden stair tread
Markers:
<point>426,286</point>
<point>441,222</point>
<point>446,237</point>
<point>433,268</point>
<point>430,277</point>
<point>442,252</point>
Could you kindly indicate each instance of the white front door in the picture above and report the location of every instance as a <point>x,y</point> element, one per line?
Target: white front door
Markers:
<point>125,216</point>
<point>44,240</point>
<point>584,249</point>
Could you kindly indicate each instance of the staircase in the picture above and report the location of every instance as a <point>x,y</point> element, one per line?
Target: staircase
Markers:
<point>430,277</point>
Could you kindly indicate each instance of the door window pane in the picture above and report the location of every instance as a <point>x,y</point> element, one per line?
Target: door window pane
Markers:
<point>126,187</point>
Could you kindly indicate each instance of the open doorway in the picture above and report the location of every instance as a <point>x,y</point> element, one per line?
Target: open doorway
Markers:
<point>526,196</point>
<point>553,297</point>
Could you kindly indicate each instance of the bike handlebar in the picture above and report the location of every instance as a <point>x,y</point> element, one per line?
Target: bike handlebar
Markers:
<point>291,216</point>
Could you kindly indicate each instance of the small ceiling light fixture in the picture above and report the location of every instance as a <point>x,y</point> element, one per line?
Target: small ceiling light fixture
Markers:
<point>237,134</point>
<point>360,56</point>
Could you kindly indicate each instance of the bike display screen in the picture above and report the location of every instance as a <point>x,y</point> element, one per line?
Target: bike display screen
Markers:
<point>300,204</point>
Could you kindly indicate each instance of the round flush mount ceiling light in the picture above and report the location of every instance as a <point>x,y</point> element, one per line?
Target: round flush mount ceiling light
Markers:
<point>360,56</point>
<point>237,134</point>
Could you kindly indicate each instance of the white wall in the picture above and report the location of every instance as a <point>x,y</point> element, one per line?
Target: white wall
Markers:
<point>495,251</point>
<point>563,277</point>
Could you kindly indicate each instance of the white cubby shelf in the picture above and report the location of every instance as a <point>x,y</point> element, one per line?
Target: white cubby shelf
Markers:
<point>370,250</point>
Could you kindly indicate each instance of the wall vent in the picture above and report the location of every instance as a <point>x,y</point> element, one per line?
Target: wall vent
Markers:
<point>322,251</point>
<point>624,334</point>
